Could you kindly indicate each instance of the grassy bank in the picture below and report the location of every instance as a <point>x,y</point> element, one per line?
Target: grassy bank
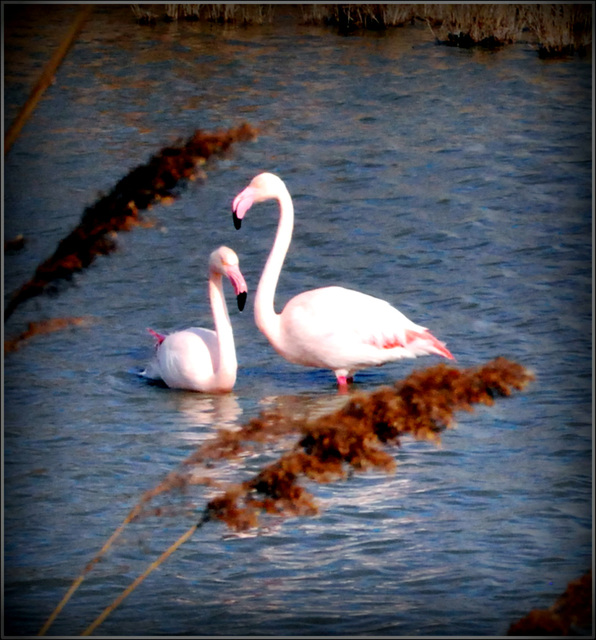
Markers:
<point>555,29</point>
<point>222,13</point>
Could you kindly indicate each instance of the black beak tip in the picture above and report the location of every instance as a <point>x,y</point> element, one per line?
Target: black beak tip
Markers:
<point>241,300</point>
<point>237,220</point>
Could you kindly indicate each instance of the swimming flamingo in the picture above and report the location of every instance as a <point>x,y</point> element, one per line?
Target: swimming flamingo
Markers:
<point>201,359</point>
<point>332,327</point>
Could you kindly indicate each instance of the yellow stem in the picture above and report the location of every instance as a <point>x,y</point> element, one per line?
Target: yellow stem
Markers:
<point>166,554</point>
<point>46,78</point>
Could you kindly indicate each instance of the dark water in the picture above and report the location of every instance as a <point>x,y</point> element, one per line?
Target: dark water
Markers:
<point>455,184</point>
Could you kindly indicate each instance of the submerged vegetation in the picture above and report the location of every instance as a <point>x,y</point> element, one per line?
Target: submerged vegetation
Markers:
<point>555,29</point>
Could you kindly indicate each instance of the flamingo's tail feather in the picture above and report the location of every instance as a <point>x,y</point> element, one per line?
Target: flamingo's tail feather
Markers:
<point>158,336</point>
<point>427,343</point>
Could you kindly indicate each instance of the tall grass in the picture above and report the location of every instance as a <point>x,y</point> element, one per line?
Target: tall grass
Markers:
<point>555,29</point>
<point>350,17</point>
<point>561,29</point>
<point>222,13</point>
<point>467,25</point>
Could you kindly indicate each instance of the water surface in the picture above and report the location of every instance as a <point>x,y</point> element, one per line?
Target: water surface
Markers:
<point>455,184</point>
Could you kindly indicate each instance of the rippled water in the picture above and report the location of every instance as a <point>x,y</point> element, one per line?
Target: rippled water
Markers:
<point>455,184</point>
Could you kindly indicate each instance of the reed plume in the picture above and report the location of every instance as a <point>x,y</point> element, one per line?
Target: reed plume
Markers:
<point>119,210</point>
<point>354,437</point>
<point>571,614</point>
<point>327,448</point>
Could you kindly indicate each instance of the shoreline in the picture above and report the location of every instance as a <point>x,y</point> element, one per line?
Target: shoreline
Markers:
<point>557,30</point>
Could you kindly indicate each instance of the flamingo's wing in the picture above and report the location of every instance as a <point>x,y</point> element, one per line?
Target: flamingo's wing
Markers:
<point>344,326</point>
<point>386,328</point>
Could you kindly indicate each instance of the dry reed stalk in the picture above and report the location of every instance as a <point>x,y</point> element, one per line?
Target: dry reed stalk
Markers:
<point>561,29</point>
<point>348,17</point>
<point>46,78</point>
<point>240,13</point>
<point>487,25</point>
<point>119,210</point>
<point>143,14</point>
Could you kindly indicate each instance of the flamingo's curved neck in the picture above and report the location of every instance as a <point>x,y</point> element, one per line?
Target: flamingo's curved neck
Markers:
<point>266,319</point>
<point>225,363</point>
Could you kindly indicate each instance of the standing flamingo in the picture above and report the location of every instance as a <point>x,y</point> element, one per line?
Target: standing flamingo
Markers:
<point>331,327</point>
<point>201,359</point>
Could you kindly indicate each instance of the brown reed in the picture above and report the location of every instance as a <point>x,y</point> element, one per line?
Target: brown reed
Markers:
<point>484,25</point>
<point>237,13</point>
<point>326,449</point>
<point>422,406</point>
<point>559,29</point>
<point>571,614</point>
<point>119,210</point>
<point>350,17</point>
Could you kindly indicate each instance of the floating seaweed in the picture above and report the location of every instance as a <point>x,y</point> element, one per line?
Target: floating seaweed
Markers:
<point>119,210</point>
<point>324,449</point>
<point>570,615</point>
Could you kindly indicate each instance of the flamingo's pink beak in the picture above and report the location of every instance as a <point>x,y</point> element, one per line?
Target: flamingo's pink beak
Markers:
<point>237,279</point>
<point>242,203</point>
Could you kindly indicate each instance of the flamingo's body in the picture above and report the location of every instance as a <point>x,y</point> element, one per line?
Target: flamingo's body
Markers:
<point>201,359</point>
<point>331,327</point>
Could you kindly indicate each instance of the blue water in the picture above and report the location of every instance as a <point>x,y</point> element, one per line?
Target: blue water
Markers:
<point>455,184</point>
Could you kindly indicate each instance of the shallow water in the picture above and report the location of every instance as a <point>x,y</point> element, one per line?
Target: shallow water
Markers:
<point>456,184</point>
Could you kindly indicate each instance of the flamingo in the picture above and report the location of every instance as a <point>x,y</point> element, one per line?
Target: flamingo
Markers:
<point>201,359</point>
<point>331,327</point>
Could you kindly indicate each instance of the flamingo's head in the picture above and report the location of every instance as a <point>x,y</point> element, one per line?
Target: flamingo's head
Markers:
<point>265,186</point>
<point>224,261</point>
